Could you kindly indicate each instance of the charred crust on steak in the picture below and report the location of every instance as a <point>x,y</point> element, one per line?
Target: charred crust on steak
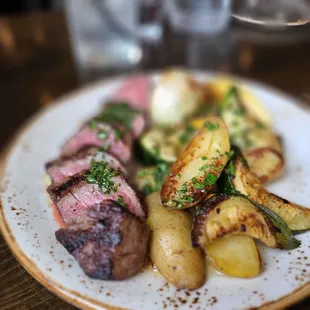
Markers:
<point>110,245</point>
<point>56,191</point>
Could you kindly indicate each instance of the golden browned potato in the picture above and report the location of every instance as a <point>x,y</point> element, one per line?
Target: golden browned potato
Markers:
<point>171,247</point>
<point>198,167</point>
<point>260,146</point>
<point>235,255</point>
<point>267,163</point>
<point>218,89</point>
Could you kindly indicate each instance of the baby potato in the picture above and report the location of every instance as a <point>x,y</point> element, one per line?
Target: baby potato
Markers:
<point>235,255</point>
<point>171,248</point>
<point>219,88</point>
<point>198,167</point>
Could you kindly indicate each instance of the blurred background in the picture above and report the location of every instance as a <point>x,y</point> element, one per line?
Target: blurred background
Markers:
<point>51,47</point>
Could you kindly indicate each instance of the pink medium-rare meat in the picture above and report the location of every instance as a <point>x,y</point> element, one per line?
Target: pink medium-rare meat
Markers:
<point>104,136</point>
<point>68,166</point>
<point>138,125</point>
<point>110,244</point>
<point>75,194</point>
<point>136,91</point>
<point>121,113</point>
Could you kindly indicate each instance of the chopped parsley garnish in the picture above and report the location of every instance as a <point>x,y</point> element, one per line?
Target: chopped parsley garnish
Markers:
<point>102,134</point>
<point>210,179</point>
<point>101,174</point>
<point>153,178</point>
<point>204,158</point>
<point>117,134</point>
<point>183,196</point>
<point>92,124</point>
<point>121,201</point>
<point>118,112</point>
<point>259,125</point>
<point>187,135</point>
<point>211,126</point>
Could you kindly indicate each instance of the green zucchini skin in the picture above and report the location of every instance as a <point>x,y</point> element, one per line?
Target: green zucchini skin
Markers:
<point>285,235</point>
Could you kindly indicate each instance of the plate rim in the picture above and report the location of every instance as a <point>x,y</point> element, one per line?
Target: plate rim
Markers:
<point>53,286</point>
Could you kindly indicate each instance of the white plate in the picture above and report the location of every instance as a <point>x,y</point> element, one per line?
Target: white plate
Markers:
<point>28,224</point>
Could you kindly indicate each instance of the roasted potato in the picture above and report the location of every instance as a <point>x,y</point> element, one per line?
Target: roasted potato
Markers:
<point>223,215</point>
<point>260,146</point>
<point>171,248</point>
<point>244,181</point>
<point>175,97</point>
<point>198,167</point>
<point>235,255</point>
<point>218,89</point>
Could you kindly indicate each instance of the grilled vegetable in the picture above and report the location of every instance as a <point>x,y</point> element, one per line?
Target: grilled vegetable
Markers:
<point>159,145</point>
<point>235,255</point>
<point>171,248</point>
<point>222,215</point>
<point>219,88</point>
<point>238,178</point>
<point>150,179</point>
<point>176,97</point>
<point>198,167</point>
<point>156,148</point>
<point>260,146</point>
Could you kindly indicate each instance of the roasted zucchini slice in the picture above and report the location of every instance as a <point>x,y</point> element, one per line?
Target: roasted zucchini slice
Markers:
<point>260,146</point>
<point>237,178</point>
<point>171,249</point>
<point>156,148</point>
<point>198,167</point>
<point>223,215</point>
<point>151,179</point>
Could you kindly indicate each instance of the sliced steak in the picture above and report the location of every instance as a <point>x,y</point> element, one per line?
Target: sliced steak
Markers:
<point>104,135</point>
<point>71,165</point>
<point>111,244</point>
<point>123,113</point>
<point>136,91</point>
<point>74,195</point>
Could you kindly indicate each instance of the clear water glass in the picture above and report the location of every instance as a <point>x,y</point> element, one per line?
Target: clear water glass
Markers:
<point>106,34</point>
<point>209,17</point>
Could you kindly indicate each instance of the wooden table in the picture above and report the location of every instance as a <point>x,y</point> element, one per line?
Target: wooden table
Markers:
<point>36,66</point>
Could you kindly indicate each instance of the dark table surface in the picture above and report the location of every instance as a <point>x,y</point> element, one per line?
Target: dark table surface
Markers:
<point>36,66</point>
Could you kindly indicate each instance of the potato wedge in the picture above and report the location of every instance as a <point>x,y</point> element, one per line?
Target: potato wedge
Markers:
<point>223,215</point>
<point>265,162</point>
<point>219,88</point>
<point>171,249</point>
<point>235,255</point>
<point>198,167</point>
<point>260,146</point>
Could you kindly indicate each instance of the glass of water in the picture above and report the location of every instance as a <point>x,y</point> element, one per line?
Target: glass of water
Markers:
<point>106,35</point>
<point>209,17</point>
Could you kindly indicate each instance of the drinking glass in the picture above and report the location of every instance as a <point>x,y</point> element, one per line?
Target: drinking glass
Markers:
<point>106,34</point>
<point>208,17</point>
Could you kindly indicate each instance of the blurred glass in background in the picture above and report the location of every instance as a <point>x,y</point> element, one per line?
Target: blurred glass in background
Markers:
<point>106,34</point>
<point>199,16</point>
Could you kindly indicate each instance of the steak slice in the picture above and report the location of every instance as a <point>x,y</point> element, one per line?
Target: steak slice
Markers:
<point>136,91</point>
<point>123,113</point>
<point>111,244</point>
<point>74,195</point>
<point>71,165</point>
<point>104,135</point>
